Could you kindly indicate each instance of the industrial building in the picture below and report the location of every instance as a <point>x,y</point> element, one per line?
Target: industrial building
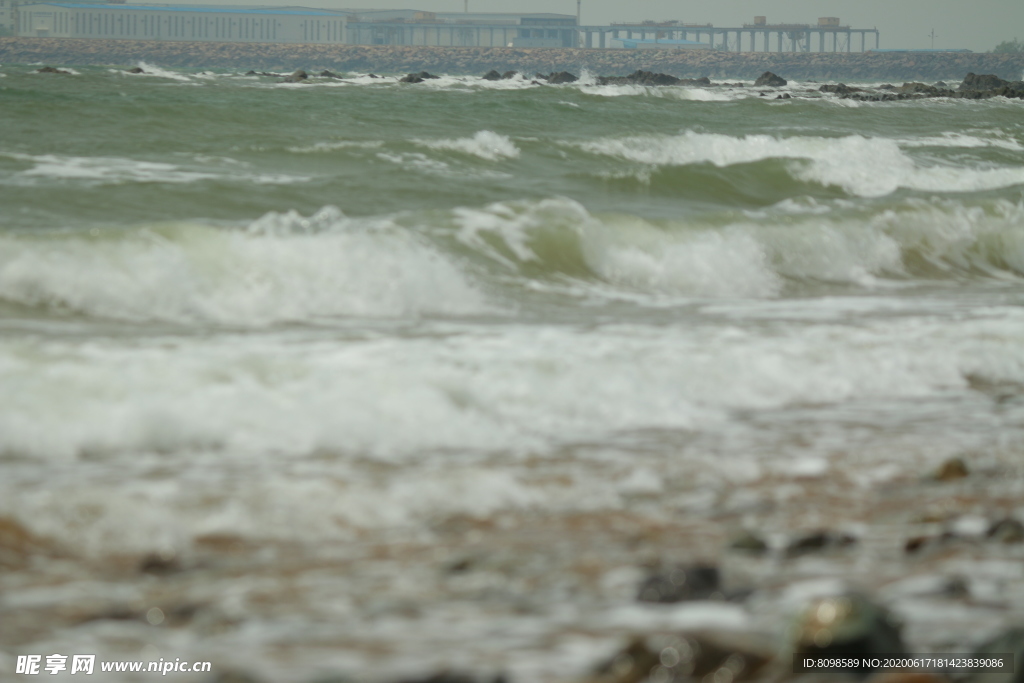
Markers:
<point>114,20</point>
<point>292,25</point>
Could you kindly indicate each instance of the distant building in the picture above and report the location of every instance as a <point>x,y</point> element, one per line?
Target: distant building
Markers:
<point>290,25</point>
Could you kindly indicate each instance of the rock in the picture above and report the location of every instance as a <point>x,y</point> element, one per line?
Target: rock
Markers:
<point>411,78</point>
<point>135,70</point>
<point>1007,642</point>
<point>297,76</point>
<point>508,75</point>
<point>251,73</point>
<point>51,70</point>
<point>747,541</point>
<point>328,74</point>
<point>691,657</point>
<point>919,543</point>
<point>1006,530</point>
<point>770,80</point>
<point>425,75</point>
<point>372,76</point>
<point>941,84</point>
<point>848,625</point>
<point>818,541</point>
<point>454,677</point>
<point>785,96</point>
<point>676,584</point>
<point>492,75</point>
<point>640,77</point>
<point>17,545</point>
<point>160,564</point>
<point>920,89</point>
<point>561,77</point>
<point>951,470</point>
<point>704,80</point>
<point>982,82</point>
<point>839,89</point>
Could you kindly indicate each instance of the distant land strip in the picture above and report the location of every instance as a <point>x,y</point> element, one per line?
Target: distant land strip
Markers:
<point>868,66</point>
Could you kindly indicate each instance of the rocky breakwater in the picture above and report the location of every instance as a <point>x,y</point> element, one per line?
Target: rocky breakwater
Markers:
<point>689,64</point>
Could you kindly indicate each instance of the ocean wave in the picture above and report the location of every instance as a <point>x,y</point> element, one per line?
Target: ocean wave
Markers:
<point>284,267</point>
<point>119,170</point>
<point>866,167</point>
<point>485,144</point>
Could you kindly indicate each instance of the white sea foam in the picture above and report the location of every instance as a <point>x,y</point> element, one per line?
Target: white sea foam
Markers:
<point>867,167</point>
<point>666,92</point>
<point>486,144</point>
<point>336,145</point>
<point>158,72</point>
<point>417,161</point>
<point>284,268</point>
<point>117,170</point>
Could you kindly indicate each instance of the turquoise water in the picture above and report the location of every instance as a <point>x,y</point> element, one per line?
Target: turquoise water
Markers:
<point>309,344</point>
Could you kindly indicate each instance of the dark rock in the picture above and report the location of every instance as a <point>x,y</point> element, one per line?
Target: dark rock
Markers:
<point>674,657</point>
<point>561,77</point>
<point>372,76</point>
<point>427,75</point>
<point>887,86</point>
<point>492,75</point>
<point>847,626</point>
<point>454,677</point>
<point>251,73</point>
<point>785,96</point>
<point>747,541</point>
<point>1007,530</point>
<point>942,84</point>
<point>819,541</point>
<point>919,543</point>
<point>160,564</point>
<point>51,70</point>
<point>676,584</point>
<point>297,76</point>
<point>411,78</point>
<point>508,75</point>
<point>639,77</point>
<point>770,80</point>
<point>328,74</point>
<point>982,82</point>
<point>704,80</point>
<point>135,70</point>
<point>951,470</point>
<point>839,89</point>
<point>918,89</point>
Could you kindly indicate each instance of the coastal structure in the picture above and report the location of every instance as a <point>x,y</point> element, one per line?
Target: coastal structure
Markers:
<point>206,23</point>
<point>56,19</point>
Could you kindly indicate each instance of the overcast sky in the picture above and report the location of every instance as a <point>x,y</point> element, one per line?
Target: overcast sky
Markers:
<point>972,24</point>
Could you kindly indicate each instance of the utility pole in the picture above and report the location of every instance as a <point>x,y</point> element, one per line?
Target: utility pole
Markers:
<point>932,36</point>
<point>578,12</point>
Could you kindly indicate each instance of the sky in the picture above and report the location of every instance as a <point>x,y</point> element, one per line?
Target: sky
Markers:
<point>977,25</point>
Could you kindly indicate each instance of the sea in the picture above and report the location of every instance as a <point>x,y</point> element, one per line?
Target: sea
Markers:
<point>361,380</point>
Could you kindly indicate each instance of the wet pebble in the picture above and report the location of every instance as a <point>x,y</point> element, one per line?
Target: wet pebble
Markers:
<point>951,470</point>
<point>749,542</point>
<point>847,625</point>
<point>664,658</point>
<point>679,583</point>
<point>818,541</point>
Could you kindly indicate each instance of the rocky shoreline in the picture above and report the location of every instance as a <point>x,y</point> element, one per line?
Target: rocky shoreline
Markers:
<point>395,59</point>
